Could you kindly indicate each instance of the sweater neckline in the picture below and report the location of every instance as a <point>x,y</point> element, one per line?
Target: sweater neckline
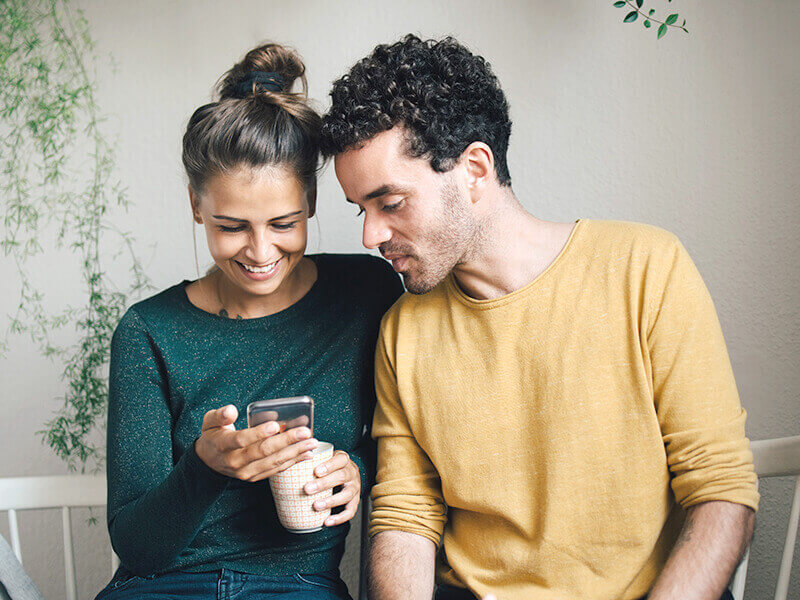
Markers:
<point>279,317</point>
<point>454,289</point>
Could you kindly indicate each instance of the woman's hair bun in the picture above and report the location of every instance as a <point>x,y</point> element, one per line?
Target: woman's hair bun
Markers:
<point>268,58</point>
<point>258,120</point>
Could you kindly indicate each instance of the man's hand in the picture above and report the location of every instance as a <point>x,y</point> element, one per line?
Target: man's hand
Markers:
<point>711,544</point>
<point>401,566</point>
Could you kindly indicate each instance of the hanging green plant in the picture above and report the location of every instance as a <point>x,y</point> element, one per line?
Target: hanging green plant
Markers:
<point>649,18</point>
<point>58,188</point>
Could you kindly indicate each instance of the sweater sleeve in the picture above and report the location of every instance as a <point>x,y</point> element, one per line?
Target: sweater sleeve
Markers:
<point>701,419</point>
<point>156,505</point>
<point>363,455</point>
<point>407,495</point>
<point>388,289</point>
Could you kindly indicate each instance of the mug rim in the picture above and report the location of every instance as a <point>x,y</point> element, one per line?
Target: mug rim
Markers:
<point>322,447</point>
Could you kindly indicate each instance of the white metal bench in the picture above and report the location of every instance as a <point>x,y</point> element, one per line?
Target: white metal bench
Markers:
<point>74,491</point>
<point>773,458</point>
<point>776,458</point>
<point>63,491</point>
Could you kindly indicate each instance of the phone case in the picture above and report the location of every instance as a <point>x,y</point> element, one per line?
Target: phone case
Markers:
<point>297,411</point>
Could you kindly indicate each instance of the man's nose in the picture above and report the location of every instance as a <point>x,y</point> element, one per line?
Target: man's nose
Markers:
<point>376,232</point>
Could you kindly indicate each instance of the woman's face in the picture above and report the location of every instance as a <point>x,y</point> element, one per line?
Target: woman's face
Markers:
<point>256,226</point>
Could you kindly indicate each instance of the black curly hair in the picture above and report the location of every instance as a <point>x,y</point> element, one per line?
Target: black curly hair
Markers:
<point>445,96</point>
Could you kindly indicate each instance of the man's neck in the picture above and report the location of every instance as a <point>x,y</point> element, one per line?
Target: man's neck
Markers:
<point>513,249</point>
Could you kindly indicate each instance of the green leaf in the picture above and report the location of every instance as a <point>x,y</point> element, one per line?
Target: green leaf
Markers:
<point>639,3</point>
<point>671,19</point>
<point>647,24</point>
<point>652,12</point>
<point>620,4</point>
<point>630,17</point>
<point>662,31</point>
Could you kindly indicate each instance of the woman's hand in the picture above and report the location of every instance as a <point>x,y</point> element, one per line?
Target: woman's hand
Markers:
<point>250,454</point>
<point>339,470</point>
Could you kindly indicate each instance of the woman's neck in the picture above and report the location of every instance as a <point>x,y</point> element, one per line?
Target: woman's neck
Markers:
<point>215,294</point>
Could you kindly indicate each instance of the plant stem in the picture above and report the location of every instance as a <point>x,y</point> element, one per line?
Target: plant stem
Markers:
<point>636,8</point>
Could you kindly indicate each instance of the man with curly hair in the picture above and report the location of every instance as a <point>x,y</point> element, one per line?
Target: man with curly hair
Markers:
<point>557,412</point>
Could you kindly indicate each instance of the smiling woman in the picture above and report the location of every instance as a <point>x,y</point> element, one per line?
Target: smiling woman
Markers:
<point>256,228</point>
<point>188,508</point>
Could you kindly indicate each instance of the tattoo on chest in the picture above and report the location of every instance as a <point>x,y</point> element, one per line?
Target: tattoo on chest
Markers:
<point>224,313</point>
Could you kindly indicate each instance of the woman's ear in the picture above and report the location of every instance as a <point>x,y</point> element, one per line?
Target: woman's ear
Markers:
<point>311,199</point>
<point>194,202</point>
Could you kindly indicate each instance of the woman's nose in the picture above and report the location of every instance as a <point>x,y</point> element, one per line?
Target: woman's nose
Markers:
<point>260,248</point>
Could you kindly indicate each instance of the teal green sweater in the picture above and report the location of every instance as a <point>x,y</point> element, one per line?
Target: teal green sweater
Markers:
<point>172,362</point>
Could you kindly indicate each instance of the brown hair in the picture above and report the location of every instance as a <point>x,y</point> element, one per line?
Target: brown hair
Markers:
<point>265,127</point>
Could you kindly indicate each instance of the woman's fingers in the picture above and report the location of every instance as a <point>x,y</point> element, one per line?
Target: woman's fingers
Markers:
<point>348,513</point>
<point>339,461</point>
<point>243,438</point>
<point>252,453</point>
<point>269,463</point>
<point>340,471</point>
<point>336,471</point>
<point>219,417</point>
<point>340,498</point>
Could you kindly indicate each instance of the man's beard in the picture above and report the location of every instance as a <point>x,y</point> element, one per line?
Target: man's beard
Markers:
<point>447,240</point>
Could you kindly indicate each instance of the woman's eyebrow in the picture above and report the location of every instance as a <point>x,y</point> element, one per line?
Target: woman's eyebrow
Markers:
<point>287,215</point>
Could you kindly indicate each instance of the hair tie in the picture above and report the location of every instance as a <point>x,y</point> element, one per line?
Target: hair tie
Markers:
<point>270,82</point>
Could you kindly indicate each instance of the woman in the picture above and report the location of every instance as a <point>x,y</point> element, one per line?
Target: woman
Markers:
<point>189,511</point>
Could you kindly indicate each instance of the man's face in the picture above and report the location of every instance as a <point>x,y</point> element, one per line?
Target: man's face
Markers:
<point>419,219</point>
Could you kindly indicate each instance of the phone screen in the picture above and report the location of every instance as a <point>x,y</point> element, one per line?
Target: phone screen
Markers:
<point>292,412</point>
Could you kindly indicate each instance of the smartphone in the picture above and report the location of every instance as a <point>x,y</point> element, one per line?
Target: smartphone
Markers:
<point>297,411</point>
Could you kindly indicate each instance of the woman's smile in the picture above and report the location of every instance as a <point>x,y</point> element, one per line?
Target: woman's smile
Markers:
<point>260,273</point>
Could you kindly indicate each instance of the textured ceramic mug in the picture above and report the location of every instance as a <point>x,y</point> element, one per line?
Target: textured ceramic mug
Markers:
<point>295,508</point>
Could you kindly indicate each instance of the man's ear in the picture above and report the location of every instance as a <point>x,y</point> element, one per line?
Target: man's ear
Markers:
<point>194,202</point>
<point>311,199</point>
<point>478,162</point>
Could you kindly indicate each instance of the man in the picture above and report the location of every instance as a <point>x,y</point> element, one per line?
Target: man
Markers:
<point>557,414</point>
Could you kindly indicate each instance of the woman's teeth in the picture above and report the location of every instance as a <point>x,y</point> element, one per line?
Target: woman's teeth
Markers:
<point>266,269</point>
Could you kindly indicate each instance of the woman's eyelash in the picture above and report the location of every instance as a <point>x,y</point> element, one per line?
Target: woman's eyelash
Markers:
<point>238,228</point>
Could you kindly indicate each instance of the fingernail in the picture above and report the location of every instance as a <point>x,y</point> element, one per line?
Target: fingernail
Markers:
<point>303,433</point>
<point>311,488</point>
<point>320,505</point>
<point>321,471</point>
<point>271,427</point>
<point>329,522</point>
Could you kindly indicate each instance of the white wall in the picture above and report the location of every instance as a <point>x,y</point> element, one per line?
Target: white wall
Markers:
<point>696,133</point>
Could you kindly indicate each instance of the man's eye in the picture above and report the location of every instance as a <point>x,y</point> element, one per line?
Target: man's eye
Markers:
<point>391,207</point>
<point>231,229</point>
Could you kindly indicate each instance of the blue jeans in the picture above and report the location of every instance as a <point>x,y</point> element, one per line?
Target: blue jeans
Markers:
<point>224,585</point>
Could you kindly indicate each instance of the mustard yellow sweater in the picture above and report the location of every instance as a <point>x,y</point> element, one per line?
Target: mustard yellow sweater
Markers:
<point>547,439</point>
